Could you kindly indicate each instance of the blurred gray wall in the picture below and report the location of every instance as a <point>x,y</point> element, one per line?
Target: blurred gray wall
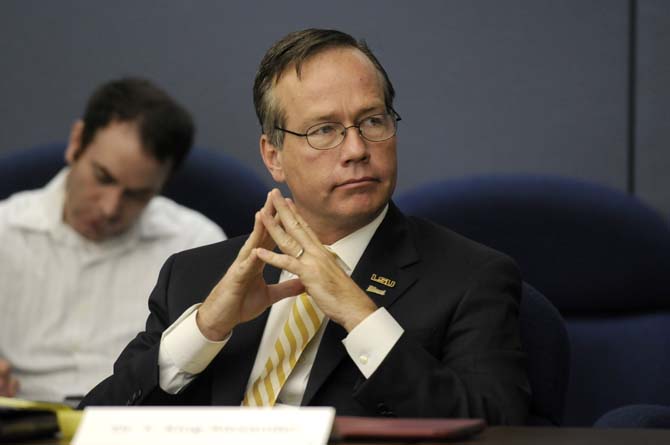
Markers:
<point>541,86</point>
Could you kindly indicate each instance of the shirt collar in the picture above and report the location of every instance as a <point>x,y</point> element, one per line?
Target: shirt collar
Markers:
<point>350,248</point>
<point>40,210</point>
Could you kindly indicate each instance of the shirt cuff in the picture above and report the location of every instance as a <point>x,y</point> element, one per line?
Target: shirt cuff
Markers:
<point>369,343</point>
<point>184,352</point>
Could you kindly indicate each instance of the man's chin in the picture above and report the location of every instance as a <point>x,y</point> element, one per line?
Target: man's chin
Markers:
<point>364,211</point>
<point>365,203</point>
<point>93,232</point>
<point>92,236</point>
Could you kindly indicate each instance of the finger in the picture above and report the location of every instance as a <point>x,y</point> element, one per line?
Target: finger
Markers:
<point>247,264</point>
<point>254,238</point>
<point>258,236</point>
<point>242,272</point>
<point>286,242</point>
<point>5,367</point>
<point>305,226</point>
<point>280,261</point>
<point>288,288</point>
<point>289,221</point>
<point>265,240</point>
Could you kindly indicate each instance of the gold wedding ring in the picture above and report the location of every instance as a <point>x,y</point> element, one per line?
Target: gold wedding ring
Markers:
<point>300,253</point>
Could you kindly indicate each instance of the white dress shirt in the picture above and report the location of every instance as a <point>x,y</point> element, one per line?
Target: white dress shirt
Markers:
<point>68,306</point>
<point>184,352</point>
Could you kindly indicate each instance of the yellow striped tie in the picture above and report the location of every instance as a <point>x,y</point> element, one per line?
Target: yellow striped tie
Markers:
<point>302,324</point>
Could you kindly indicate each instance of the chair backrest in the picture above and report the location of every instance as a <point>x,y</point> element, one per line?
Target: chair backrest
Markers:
<point>547,347</point>
<point>220,187</point>
<point>29,168</point>
<point>599,255</point>
<point>636,416</point>
<point>213,183</point>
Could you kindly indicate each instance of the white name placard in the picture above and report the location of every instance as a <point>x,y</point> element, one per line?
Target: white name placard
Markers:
<point>204,426</point>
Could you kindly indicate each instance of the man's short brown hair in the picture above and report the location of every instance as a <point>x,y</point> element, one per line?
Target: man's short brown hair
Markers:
<point>294,50</point>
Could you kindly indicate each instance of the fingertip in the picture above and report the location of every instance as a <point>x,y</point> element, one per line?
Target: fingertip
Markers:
<point>257,221</point>
<point>267,198</point>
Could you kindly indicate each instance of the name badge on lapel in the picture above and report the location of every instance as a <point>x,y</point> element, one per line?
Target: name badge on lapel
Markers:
<point>381,280</point>
<point>375,290</point>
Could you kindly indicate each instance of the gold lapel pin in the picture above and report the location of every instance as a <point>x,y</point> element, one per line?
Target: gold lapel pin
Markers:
<point>382,280</point>
<point>375,290</point>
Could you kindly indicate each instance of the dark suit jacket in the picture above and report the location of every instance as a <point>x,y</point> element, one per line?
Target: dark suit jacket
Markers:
<point>460,354</point>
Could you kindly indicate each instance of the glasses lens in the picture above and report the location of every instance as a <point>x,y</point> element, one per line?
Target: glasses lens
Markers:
<point>325,135</point>
<point>378,127</point>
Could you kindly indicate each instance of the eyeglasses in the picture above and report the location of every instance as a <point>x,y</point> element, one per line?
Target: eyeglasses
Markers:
<point>327,135</point>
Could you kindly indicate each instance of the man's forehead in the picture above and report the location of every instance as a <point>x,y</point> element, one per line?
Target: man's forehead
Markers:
<point>332,71</point>
<point>320,57</point>
<point>117,151</point>
<point>296,67</point>
<point>136,179</point>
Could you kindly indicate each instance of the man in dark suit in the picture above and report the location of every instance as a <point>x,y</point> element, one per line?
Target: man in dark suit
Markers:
<point>417,320</point>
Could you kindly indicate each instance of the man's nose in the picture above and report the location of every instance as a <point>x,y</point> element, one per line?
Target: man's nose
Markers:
<point>354,147</point>
<point>111,202</point>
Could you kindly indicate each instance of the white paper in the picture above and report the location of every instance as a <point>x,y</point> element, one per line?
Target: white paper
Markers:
<point>139,425</point>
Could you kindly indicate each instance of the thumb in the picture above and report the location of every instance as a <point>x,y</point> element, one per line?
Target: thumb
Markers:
<point>285,289</point>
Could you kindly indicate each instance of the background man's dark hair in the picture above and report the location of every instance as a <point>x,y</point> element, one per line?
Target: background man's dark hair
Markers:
<point>166,129</point>
<point>295,49</point>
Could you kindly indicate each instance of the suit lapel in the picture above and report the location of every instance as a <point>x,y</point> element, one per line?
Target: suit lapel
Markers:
<point>230,382</point>
<point>390,251</point>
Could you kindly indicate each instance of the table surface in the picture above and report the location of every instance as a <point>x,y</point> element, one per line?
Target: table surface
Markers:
<point>568,436</point>
<point>526,436</point>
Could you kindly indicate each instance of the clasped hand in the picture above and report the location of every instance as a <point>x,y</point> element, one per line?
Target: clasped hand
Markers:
<point>9,385</point>
<point>242,294</point>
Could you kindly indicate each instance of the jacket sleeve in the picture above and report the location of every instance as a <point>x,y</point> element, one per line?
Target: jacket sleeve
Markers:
<point>479,370</point>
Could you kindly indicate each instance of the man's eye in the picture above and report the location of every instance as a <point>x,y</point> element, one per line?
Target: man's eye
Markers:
<point>373,121</point>
<point>103,178</point>
<point>322,130</point>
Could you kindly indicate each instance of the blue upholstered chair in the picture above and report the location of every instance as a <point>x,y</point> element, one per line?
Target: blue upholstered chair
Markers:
<point>217,185</point>
<point>636,416</point>
<point>545,341</point>
<point>599,255</point>
<point>29,168</point>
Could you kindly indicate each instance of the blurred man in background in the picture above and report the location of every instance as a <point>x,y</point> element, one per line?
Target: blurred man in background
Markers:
<point>79,255</point>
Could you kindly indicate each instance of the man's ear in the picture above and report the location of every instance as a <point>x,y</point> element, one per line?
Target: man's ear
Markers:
<point>272,158</point>
<point>74,147</point>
